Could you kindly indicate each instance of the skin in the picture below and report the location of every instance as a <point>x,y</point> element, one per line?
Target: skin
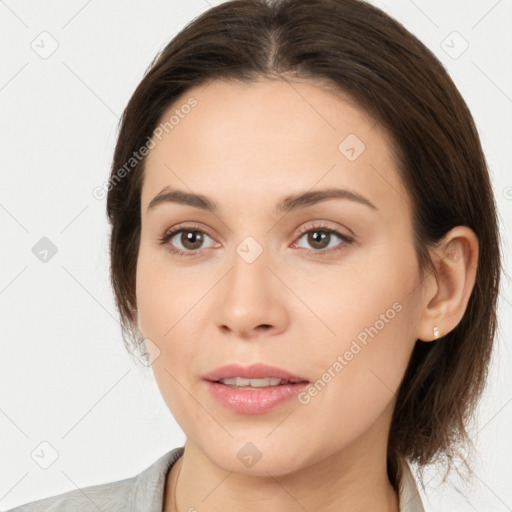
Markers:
<point>246,146</point>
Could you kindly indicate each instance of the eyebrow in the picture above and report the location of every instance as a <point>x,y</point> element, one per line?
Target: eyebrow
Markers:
<point>287,204</point>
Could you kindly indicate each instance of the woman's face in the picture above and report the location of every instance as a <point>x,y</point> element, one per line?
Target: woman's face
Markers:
<point>264,278</point>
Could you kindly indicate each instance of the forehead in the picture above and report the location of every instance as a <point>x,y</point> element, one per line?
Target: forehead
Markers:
<point>269,137</point>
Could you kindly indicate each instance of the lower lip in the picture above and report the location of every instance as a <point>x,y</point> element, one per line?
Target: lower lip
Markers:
<point>253,400</point>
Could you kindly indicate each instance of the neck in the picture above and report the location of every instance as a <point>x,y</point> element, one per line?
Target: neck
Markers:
<point>352,479</point>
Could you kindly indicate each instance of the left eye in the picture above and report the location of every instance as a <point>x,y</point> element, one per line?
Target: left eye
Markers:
<point>319,238</point>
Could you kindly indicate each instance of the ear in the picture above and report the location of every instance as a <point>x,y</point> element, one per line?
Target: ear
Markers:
<point>446,290</point>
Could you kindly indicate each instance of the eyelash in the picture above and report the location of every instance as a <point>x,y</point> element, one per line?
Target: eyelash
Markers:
<point>170,233</point>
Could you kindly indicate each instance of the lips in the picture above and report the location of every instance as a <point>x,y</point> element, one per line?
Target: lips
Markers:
<point>254,371</point>
<point>254,389</point>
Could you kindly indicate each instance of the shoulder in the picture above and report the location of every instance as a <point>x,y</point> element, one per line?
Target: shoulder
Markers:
<point>409,495</point>
<point>107,497</point>
<point>141,490</point>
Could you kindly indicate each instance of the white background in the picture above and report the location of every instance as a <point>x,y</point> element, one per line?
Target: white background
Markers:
<point>65,377</point>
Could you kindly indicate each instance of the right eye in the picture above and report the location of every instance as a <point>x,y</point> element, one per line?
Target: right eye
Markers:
<point>190,237</point>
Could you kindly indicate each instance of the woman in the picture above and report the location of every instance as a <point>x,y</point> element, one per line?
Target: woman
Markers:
<point>304,243</point>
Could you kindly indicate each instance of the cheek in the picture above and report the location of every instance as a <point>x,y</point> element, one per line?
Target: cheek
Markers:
<point>168,304</point>
<point>375,297</point>
<point>373,318</point>
<point>164,294</point>
<point>369,365</point>
<point>165,305</point>
<point>358,375</point>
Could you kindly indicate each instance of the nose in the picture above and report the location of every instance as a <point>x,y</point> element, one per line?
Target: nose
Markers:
<point>251,300</point>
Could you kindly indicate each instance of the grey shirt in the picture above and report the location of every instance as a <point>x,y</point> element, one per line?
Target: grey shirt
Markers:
<point>145,493</point>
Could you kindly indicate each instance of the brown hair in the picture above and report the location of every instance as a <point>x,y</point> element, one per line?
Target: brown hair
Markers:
<point>364,53</point>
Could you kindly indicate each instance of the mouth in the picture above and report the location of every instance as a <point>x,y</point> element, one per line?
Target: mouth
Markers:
<point>257,375</point>
<point>254,389</point>
<point>242,383</point>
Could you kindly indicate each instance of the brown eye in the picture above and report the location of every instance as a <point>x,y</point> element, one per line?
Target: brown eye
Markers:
<point>191,240</point>
<point>320,238</point>
<point>184,241</point>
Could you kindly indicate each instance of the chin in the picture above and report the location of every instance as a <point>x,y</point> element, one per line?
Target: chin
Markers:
<point>258,458</point>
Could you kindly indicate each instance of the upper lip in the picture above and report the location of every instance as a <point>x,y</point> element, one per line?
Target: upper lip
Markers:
<point>254,371</point>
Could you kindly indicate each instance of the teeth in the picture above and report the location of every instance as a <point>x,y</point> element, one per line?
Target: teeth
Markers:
<point>254,383</point>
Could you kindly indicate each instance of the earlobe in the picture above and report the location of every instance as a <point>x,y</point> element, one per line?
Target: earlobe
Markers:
<point>448,289</point>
